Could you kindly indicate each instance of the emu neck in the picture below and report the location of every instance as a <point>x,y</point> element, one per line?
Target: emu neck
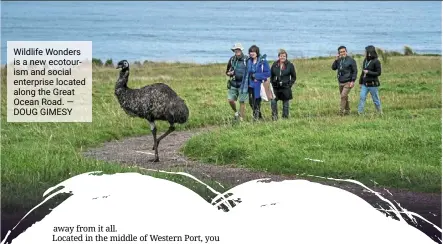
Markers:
<point>122,81</point>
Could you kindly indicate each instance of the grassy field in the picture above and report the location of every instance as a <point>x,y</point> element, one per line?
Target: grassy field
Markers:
<point>401,149</point>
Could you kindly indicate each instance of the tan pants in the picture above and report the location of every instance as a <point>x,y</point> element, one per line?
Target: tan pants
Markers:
<point>344,89</point>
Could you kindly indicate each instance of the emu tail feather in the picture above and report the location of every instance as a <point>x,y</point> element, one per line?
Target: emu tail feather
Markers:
<point>181,113</point>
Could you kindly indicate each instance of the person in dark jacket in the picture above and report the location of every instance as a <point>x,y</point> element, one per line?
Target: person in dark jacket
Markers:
<point>236,69</point>
<point>283,77</point>
<point>346,74</point>
<point>369,81</point>
<point>257,72</point>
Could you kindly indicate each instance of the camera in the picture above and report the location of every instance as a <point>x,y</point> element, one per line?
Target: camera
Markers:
<point>233,72</point>
<point>278,81</point>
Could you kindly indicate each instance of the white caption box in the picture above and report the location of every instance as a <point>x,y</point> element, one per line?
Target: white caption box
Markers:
<point>49,81</point>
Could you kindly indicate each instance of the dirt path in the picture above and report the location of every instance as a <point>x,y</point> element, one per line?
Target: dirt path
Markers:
<point>138,151</point>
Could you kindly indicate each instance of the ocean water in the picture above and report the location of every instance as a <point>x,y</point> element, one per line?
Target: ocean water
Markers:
<point>203,32</point>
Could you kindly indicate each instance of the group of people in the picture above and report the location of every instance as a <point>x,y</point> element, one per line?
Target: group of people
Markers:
<point>247,73</point>
<point>347,74</point>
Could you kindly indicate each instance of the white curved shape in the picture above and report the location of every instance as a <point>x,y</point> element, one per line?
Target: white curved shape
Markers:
<point>292,211</point>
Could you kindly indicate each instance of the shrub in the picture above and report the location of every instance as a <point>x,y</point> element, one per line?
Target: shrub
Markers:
<point>381,53</point>
<point>109,63</point>
<point>408,51</point>
<point>393,53</point>
<point>97,62</point>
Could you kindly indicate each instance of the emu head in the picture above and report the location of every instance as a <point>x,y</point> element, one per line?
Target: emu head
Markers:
<point>124,65</point>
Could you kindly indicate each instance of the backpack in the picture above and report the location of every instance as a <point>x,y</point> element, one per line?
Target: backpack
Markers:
<point>235,81</point>
<point>232,60</point>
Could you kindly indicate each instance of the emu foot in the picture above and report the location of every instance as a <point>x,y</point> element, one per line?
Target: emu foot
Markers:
<point>155,160</point>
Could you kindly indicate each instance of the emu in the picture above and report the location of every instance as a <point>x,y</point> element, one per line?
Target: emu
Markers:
<point>152,102</point>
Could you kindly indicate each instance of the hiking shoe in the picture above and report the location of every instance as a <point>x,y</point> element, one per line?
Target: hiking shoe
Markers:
<point>379,111</point>
<point>236,115</point>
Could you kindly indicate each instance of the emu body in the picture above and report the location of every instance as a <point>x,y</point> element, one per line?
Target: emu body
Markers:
<point>153,102</point>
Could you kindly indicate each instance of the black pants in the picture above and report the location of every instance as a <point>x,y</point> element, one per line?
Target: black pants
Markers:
<point>283,94</point>
<point>255,104</point>
<point>275,109</point>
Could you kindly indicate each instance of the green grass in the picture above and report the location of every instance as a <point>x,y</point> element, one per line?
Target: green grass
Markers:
<point>401,149</point>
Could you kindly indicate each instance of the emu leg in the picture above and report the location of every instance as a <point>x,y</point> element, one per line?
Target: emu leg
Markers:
<point>156,159</point>
<point>171,129</point>
<point>154,133</point>
<point>157,141</point>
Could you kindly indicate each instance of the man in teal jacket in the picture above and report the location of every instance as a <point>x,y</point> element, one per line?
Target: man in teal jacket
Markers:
<point>236,69</point>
